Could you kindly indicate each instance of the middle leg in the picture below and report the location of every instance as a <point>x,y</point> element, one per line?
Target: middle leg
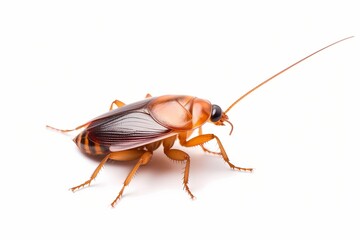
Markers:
<point>178,155</point>
<point>116,102</point>
<point>120,104</point>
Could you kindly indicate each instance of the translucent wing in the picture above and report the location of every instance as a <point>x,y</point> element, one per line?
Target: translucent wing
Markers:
<point>127,129</point>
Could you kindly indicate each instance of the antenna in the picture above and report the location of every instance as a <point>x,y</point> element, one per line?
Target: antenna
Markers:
<point>282,71</point>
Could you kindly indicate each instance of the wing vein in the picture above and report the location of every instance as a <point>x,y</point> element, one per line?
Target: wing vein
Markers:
<point>128,130</point>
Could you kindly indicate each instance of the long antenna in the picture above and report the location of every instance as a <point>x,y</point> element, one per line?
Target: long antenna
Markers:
<point>282,71</point>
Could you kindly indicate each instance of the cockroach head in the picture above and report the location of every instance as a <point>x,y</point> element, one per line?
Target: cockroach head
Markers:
<point>218,117</point>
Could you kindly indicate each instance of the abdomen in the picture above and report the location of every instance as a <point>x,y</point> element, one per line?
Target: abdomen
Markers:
<point>89,146</point>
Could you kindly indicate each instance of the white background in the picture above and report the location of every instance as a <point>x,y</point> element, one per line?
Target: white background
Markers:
<point>63,63</point>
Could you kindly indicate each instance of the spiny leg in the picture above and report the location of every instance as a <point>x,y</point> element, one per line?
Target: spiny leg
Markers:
<point>209,151</point>
<point>144,159</point>
<point>115,102</point>
<point>201,139</point>
<point>67,130</point>
<point>203,146</point>
<point>178,155</point>
<point>93,176</point>
<point>121,156</point>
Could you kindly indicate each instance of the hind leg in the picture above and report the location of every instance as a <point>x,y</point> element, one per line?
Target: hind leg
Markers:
<point>67,130</point>
<point>144,159</point>
<point>115,102</point>
<point>120,156</point>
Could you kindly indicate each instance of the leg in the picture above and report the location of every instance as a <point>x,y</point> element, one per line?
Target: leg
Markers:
<point>179,155</point>
<point>67,130</point>
<point>117,103</point>
<point>121,156</point>
<point>204,148</point>
<point>201,139</point>
<point>144,159</point>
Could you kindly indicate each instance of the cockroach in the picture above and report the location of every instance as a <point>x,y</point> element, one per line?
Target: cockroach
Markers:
<point>135,131</point>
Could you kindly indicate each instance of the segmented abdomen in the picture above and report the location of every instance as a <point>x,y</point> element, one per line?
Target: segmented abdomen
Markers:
<point>89,146</point>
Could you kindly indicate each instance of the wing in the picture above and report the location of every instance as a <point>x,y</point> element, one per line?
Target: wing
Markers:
<point>127,129</point>
<point>140,106</point>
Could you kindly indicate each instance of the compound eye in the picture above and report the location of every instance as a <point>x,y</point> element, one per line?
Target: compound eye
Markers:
<point>216,113</point>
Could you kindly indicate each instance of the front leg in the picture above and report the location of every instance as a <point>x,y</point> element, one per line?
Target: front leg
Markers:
<point>203,146</point>
<point>201,139</point>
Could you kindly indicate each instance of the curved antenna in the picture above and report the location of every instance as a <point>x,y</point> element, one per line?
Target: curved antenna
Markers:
<point>282,71</point>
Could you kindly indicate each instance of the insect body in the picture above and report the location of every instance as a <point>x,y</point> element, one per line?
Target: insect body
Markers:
<point>135,131</point>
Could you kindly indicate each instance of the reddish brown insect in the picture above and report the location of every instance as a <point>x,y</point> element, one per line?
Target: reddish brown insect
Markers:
<point>135,131</point>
